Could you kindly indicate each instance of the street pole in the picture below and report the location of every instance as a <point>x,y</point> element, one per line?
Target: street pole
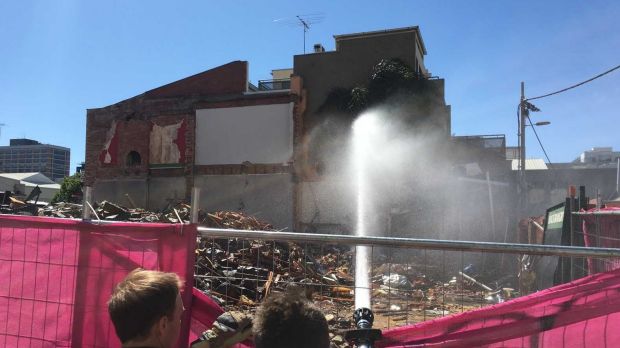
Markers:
<point>617,177</point>
<point>523,114</point>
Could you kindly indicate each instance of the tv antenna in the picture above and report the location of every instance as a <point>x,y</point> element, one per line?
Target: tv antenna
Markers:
<point>1,125</point>
<point>304,21</point>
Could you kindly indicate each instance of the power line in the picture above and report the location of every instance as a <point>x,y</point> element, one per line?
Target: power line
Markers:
<point>577,85</point>
<point>537,138</point>
<point>535,133</point>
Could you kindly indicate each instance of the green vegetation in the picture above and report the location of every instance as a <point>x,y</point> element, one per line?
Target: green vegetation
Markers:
<point>70,188</point>
<point>388,77</point>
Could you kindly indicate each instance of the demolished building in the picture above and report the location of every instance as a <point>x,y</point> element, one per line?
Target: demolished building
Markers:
<point>212,130</point>
<point>276,150</point>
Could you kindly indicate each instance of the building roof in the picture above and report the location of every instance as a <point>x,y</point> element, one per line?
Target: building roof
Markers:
<point>530,164</point>
<point>30,178</point>
<point>49,186</point>
<point>415,29</point>
<point>224,79</point>
<point>33,147</point>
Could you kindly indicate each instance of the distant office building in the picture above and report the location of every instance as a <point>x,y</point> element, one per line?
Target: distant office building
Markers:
<point>28,156</point>
<point>80,168</point>
<point>599,156</point>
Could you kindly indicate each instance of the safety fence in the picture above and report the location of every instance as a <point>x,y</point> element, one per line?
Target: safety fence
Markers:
<point>601,228</point>
<point>414,281</point>
<point>58,275</point>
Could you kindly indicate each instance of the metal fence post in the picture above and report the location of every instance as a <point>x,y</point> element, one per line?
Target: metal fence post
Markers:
<point>195,202</point>
<point>88,191</point>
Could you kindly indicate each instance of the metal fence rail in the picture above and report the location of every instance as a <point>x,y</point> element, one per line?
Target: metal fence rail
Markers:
<point>412,280</point>
<point>397,242</point>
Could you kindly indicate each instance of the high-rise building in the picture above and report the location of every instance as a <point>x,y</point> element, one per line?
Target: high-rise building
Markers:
<point>28,156</point>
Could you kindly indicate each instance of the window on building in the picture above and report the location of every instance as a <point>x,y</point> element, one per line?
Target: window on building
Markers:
<point>133,159</point>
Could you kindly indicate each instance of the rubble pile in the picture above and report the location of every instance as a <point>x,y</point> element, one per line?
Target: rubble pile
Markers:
<point>239,274</point>
<point>62,210</point>
<point>233,219</point>
<point>13,204</point>
<point>114,212</point>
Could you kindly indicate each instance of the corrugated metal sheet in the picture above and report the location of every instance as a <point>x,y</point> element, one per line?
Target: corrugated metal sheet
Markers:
<point>530,164</point>
<point>34,178</point>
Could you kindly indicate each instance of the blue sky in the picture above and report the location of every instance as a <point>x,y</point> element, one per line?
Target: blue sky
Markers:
<point>59,58</point>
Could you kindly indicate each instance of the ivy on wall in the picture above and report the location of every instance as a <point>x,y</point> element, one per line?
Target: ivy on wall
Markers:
<point>388,77</point>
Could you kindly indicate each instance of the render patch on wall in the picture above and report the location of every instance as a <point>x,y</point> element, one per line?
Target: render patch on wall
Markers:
<point>109,153</point>
<point>255,134</point>
<point>167,143</point>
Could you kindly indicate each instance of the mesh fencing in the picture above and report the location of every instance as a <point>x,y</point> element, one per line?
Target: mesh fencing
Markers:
<point>59,274</point>
<point>38,268</point>
<point>601,228</point>
<point>409,286</point>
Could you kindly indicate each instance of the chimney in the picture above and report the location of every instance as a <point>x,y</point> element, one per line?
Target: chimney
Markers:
<point>318,48</point>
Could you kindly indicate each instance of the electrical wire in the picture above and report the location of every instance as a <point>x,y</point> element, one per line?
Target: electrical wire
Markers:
<point>537,138</point>
<point>554,93</point>
<point>576,85</point>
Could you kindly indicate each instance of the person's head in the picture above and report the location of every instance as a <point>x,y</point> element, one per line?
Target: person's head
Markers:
<point>146,306</point>
<point>290,320</point>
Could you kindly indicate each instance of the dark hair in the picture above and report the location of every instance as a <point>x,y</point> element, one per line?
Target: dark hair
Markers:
<point>140,300</point>
<point>290,320</point>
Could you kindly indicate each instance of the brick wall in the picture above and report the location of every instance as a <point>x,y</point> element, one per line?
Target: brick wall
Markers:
<point>231,78</point>
<point>217,88</point>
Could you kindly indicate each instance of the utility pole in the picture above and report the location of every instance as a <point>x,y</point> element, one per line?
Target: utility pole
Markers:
<point>522,183</point>
<point>618,176</point>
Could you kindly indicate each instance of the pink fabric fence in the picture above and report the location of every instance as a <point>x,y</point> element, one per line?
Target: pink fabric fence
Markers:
<point>602,231</point>
<point>204,312</point>
<point>57,275</point>
<point>584,313</point>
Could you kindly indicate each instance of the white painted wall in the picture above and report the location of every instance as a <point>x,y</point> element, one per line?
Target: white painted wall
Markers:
<point>268,197</point>
<point>258,134</point>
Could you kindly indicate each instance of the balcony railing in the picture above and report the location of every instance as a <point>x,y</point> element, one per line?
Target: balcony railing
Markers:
<point>274,85</point>
<point>495,142</point>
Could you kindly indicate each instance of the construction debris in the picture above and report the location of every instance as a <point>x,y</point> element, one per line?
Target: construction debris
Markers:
<point>239,274</point>
<point>62,210</point>
<point>233,219</point>
<point>113,212</point>
<point>474,281</point>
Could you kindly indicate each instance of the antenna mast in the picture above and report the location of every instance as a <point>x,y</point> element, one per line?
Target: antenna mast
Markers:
<point>306,28</point>
<point>304,21</point>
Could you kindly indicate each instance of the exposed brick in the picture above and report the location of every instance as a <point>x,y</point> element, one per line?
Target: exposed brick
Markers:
<point>228,78</point>
<point>220,87</point>
<point>236,169</point>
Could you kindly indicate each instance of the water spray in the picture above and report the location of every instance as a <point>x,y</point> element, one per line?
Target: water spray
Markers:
<point>364,336</point>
